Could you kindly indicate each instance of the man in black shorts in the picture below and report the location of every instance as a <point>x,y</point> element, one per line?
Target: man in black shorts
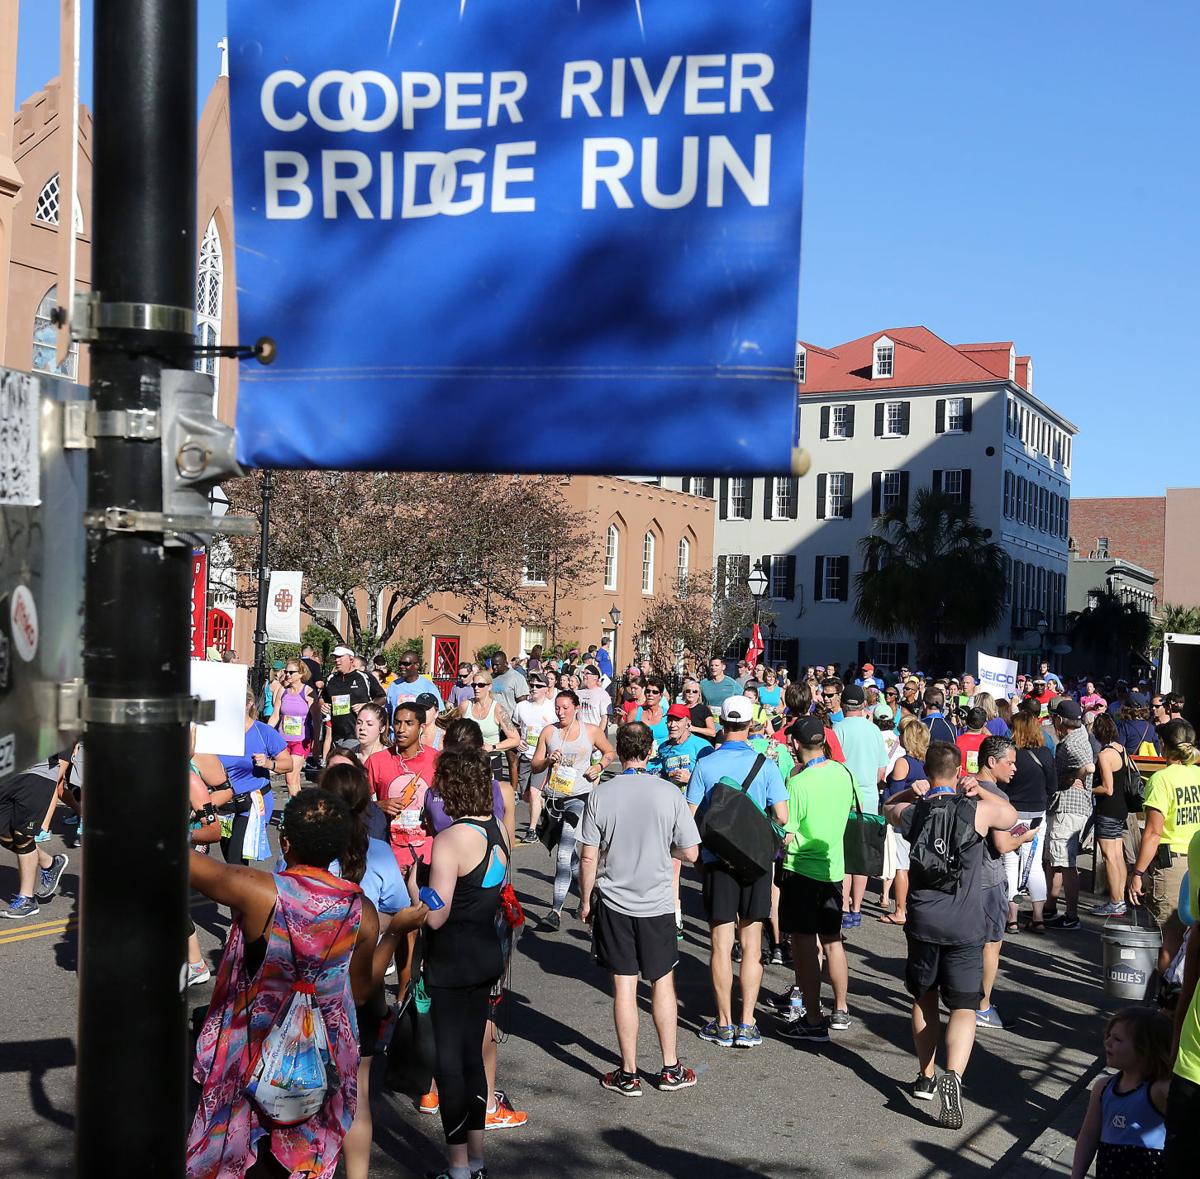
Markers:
<point>945,928</point>
<point>24,801</point>
<point>638,822</point>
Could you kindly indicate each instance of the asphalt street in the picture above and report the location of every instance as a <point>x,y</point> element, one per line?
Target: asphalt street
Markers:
<point>780,1110</point>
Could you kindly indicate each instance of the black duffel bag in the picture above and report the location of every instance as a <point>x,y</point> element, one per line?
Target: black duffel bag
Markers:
<point>737,830</point>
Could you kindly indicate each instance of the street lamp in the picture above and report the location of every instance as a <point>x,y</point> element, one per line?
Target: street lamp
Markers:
<point>757,581</point>
<point>615,615</point>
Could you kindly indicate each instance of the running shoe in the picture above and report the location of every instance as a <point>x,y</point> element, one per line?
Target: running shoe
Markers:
<point>1110,909</point>
<point>776,955</point>
<point>71,821</point>
<point>951,1114</point>
<point>675,1077</point>
<point>747,1036</point>
<point>42,836</point>
<point>198,974</point>
<point>429,1103</point>
<point>529,836</point>
<point>839,1021</point>
<point>736,953</point>
<point>805,1032</point>
<point>627,1084</point>
<point>552,922</point>
<point>1066,921</point>
<point>856,919</point>
<point>714,1033</point>
<point>48,878</point>
<point>847,920</point>
<point>504,1117</point>
<point>989,1019</point>
<point>924,1088</point>
<point>21,907</point>
<point>679,930</point>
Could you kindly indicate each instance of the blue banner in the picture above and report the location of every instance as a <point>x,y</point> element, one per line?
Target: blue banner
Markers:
<point>519,235</point>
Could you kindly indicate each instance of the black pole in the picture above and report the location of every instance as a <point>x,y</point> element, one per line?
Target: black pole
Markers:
<point>264,583</point>
<point>132,1070</point>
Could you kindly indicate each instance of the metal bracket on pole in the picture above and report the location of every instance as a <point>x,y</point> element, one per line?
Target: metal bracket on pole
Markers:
<point>183,529</point>
<point>91,315</point>
<point>147,710</point>
<point>83,424</point>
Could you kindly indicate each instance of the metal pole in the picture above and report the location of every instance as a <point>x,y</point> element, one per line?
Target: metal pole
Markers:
<point>264,584</point>
<point>133,1052</point>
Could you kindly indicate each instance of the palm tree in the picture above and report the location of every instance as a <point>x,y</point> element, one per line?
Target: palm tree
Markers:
<point>933,573</point>
<point>1174,620</point>
<point>1110,631</point>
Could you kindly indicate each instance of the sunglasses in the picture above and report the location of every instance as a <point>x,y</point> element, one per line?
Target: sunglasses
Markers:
<point>293,671</point>
<point>407,663</point>
<point>890,695</point>
<point>691,691</point>
<point>829,695</point>
<point>477,684</point>
<point>654,691</point>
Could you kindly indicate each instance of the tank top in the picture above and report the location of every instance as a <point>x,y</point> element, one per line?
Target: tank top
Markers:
<point>488,725</point>
<point>293,715</point>
<point>661,736</point>
<point>466,951</point>
<point>1112,806</point>
<point>566,779</point>
<point>916,771</point>
<point>1133,1134</point>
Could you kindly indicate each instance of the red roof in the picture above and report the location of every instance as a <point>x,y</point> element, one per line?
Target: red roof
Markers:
<point>920,358</point>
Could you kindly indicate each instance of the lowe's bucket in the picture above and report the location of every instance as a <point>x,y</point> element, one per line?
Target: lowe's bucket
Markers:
<point>1130,957</point>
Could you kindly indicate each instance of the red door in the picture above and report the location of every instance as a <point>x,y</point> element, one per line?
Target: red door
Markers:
<point>445,662</point>
<point>220,630</point>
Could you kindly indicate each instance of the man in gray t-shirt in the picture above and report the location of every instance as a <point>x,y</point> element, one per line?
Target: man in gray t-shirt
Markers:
<point>594,702</point>
<point>633,827</point>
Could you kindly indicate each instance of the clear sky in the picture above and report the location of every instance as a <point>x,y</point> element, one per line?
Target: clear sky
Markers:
<point>1017,171</point>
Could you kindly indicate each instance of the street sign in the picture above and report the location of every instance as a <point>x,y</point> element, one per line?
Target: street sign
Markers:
<point>530,237</point>
<point>42,496</point>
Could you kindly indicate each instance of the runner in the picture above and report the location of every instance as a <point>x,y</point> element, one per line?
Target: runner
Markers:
<point>494,721</point>
<point>291,718</point>
<point>23,802</point>
<point>509,689</point>
<point>701,724</point>
<point>678,758</point>
<point>718,687</point>
<point>532,716</point>
<point>345,692</point>
<point>564,753</point>
<point>411,683</point>
<point>595,704</point>
<point>641,826</point>
<point>264,753</point>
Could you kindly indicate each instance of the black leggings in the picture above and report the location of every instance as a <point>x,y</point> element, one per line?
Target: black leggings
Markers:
<point>231,848</point>
<point>459,1017</point>
<point>1183,1117</point>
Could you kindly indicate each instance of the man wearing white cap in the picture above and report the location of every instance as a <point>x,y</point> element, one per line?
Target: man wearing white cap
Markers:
<point>727,901</point>
<point>346,691</point>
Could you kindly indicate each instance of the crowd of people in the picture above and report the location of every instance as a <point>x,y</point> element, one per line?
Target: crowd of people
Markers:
<point>395,872</point>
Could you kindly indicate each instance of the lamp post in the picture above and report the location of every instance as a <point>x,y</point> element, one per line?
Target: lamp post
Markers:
<point>615,615</point>
<point>757,581</point>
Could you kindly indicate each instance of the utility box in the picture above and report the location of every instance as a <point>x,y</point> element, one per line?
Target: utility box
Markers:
<point>43,492</point>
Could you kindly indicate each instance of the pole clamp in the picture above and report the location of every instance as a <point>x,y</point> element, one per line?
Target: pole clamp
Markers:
<point>185,528</point>
<point>137,711</point>
<point>91,316</point>
<point>83,423</point>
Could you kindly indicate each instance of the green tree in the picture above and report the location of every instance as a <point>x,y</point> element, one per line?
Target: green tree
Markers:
<point>1110,632</point>
<point>1174,620</point>
<point>932,573</point>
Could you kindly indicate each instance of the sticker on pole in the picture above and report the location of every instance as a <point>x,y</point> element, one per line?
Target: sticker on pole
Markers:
<point>24,622</point>
<point>536,236</point>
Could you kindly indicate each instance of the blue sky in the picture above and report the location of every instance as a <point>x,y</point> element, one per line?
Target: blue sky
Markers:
<point>1018,171</point>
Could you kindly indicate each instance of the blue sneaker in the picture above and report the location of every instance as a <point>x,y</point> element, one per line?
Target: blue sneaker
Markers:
<point>28,907</point>
<point>747,1036</point>
<point>714,1033</point>
<point>856,920</point>
<point>42,836</point>
<point>48,878</point>
<point>847,920</point>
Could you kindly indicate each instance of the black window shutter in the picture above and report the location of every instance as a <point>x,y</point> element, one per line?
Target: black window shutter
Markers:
<point>821,481</point>
<point>941,416</point>
<point>905,416</point>
<point>876,493</point>
<point>789,576</point>
<point>966,485</point>
<point>793,498</point>
<point>768,493</point>
<point>844,577</point>
<point>904,491</point>
<point>879,420</point>
<point>722,564</point>
<point>966,415</point>
<point>849,421</point>
<point>722,503</point>
<point>848,497</point>
<point>864,651</point>
<point>937,481</point>
<point>824,421</point>
<point>818,580</point>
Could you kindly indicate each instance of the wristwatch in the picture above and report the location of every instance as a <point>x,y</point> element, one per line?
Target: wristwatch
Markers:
<point>1138,871</point>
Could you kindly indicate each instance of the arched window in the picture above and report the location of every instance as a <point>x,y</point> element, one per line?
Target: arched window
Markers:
<point>683,561</point>
<point>46,208</point>
<point>612,545</point>
<point>45,341</point>
<point>648,563</point>
<point>210,279</point>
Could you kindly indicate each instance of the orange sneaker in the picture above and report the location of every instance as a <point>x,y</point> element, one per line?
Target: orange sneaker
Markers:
<point>429,1103</point>
<point>504,1117</point>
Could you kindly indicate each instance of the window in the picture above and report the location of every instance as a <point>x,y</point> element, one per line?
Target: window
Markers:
<point>835,496</point>
<point>699,485</point>
<point>532,636</point>
<point>783,498</point>
<point>781,576</point>
<point>891,490</point>
<point>884,360</point>
<point>895,419</point>
<point>1102,546</point>
<point>732,570</point>
<point>1008,495</point>
<point>840,417</point>
<point>801,363</point>
<point>890,654</point>
<point>612,547</point>
<point>45,341</point>
<point>952,485</point>
<point>739,498</point>
<point>537,563</point>
<point>683,562</point>
<point>46,208</point>
<point>648,563</point>
<point>832,579</point>
<point>210,279</point>
<point>325,606</point>
<point>954,414</point>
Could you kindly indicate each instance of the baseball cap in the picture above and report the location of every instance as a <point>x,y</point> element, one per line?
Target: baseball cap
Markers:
<point>427,700</point>
<point>537,680</point>
<point>808,730</point>
<point>853,697</point>
<point>1067,710</point>
<point>592,669</point>
<point>883,711</point>
<point>680,711</point>
<point>737,709</point>
<point>340,651</point>
<point>868,667</point>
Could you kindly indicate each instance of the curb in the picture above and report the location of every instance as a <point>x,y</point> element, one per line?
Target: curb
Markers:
<point>1052,1152</point>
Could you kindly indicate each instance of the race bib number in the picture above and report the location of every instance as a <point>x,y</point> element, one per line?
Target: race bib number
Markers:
<point>293,726</point>
<point>531,736</point>
<point>341,705</point>
<point>972,761</point>
<point>562,780</point>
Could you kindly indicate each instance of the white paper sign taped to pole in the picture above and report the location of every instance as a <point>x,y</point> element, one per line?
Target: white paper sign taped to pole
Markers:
<point>226,684</point>
<point>283,607</point>
<point>997,676</point>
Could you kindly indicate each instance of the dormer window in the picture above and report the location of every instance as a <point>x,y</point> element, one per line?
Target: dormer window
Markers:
<point>885,357</point>
<point>801,363</point>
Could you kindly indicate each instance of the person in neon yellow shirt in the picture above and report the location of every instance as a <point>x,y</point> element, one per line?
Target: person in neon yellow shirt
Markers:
<point>1183,1100</point>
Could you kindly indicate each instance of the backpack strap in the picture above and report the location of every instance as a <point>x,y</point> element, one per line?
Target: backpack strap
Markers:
<point>759,761</point>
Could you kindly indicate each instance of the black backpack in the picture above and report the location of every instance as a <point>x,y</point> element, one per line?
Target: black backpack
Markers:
<point>941,835</point>
<point>736,830</point>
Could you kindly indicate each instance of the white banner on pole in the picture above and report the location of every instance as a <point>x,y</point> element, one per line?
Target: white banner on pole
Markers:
<point>283,607</point>
<point>997,676</point>
<point>226,684</point>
